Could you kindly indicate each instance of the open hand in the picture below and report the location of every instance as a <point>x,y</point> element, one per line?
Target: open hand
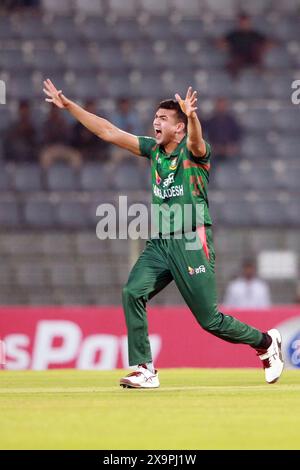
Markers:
<point>54,96</point>
<point>189,104</point>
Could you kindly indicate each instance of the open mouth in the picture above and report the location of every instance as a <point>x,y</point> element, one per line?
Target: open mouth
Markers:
<point>157,132</point>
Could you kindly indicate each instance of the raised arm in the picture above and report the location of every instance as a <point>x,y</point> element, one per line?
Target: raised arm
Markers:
<point>99,126</point>
<point>195,141</point>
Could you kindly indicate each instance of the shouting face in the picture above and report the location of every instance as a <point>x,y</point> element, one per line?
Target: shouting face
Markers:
<point>167,126</point>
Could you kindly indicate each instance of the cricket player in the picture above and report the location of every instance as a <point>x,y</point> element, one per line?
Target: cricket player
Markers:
<point>180,164</point>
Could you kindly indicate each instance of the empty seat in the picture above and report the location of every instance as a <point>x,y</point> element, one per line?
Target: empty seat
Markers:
<point>87,87</point>
<point>7,29</point>
<point>236,213</point>
<point>255,7</point>
<point>150,86</point>
<point>31,275</point>
<point>10,216</point>
<point>57,244</point>
<point>128,30</point>
<point>73,214</point>
<point>174,56</point>
<point>223,9</point>
<point>189,29</point>
<point>292,213</point>
<point>27,178</point>
<point>6,275</point>
<point>287,29</point>
<point>158,28</point>
<point>20,244</point>
<point>64,274</point>
<point>277,58</point>
<point>256,148</point>
<point>46,60</point>
<point>89,7</point>
<point>99,275</point>
<point>111,58</point>
<point>256,120</point>
<point>72,62</point>
<point>127,176</point>
<point>288,119</point>
<point>290,179</point>
<point>5,179</point>
<point>63,28</point>
<point>210,58</point>
<point>39,214</point>
<point>279,87</point>
<point>57,6</point>
<point>119,86</point>
<point>229,177</point>
<point>87,244</point>
<point>142,56</point>
<point>155,7</point>
<point>288,147</point>
<point>32,28</point>
<point>97,29</point>
<point>211,85</point>
<point>251,86</point>
<point>125,9</point>
<point>5,118</point>
<point>261,179</point>
<point>61,178</point>
<point>188,8</point>
<point>12,60</point>
<point>268,213</point>
<point>95,176</point>
<point>21,87</point>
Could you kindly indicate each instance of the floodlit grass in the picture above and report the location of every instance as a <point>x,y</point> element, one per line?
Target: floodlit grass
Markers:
<point>193,409</point>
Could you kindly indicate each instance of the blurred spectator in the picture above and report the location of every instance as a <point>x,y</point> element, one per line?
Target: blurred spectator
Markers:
<point>56,139</point>
<point>88,144</point>
<point>223,132</point>
<point>125,118</point>
<point>247,291</point>
<point>20,139</point>
<point>245,45</point>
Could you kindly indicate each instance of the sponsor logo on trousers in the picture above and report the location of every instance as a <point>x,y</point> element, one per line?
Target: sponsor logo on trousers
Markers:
<point>200,269</point>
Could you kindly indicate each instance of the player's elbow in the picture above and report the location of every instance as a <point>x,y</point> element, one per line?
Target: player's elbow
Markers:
<point>197,149</point>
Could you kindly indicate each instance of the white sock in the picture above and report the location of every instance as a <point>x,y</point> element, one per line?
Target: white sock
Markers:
<point>150,366</point>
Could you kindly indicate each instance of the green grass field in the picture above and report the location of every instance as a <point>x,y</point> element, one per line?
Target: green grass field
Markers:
<point>193,409</point>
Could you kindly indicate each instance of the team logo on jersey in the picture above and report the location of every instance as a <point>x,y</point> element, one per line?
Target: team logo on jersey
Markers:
<point>157,178</point>
<point>168,180</point>
<point>173,163</point>
<point>200,269</point>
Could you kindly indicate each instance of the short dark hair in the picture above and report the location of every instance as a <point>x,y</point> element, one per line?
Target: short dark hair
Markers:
<point>173,104</point>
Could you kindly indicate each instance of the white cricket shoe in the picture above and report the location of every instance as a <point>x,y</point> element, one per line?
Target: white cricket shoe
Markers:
<point>142,377</point>
<point>272,358</point>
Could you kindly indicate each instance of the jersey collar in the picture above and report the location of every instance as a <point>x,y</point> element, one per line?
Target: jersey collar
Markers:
<point>176,151</point>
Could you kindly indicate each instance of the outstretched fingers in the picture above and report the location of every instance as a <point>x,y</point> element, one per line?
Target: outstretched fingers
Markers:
<point>189,93</point>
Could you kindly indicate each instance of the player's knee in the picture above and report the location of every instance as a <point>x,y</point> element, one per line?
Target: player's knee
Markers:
<point>129,292</point>
<point>212,323</point>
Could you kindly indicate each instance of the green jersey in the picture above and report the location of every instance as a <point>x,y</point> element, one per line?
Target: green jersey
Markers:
<point>179,186</point>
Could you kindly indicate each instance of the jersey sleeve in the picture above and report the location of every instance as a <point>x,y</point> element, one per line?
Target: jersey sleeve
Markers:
<point>205,158</point>
<point>146,144</point>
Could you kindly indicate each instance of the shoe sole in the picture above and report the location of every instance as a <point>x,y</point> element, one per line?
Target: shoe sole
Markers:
<point>127,384</point>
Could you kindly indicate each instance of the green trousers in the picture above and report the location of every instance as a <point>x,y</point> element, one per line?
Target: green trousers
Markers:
<point>191,264</point>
